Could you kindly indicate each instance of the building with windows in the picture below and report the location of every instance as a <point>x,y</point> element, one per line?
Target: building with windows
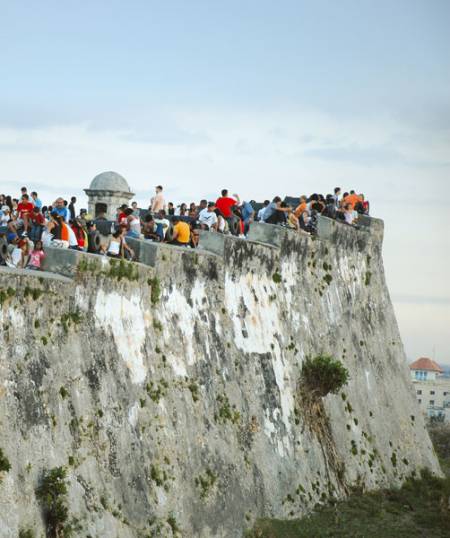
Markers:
<point>432,388</point>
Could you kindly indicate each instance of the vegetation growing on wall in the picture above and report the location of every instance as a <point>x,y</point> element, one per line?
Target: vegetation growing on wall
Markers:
<point>6,294</point>
<point>52,494</point>
<point>155,289</point>
<point>320,376</point>
<point>5,466</point>
<point>323,375</point>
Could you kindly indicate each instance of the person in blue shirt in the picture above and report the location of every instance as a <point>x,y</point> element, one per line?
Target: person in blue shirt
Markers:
<point>61,209</point>
<point>248,214</point>
<point>36,201</point>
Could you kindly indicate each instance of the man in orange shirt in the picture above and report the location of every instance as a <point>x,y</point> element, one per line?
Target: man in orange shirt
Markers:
<point>301,207</point>
<point>353,199</point>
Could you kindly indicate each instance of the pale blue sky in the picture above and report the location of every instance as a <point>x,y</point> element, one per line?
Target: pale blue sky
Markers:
<point>262,97</point>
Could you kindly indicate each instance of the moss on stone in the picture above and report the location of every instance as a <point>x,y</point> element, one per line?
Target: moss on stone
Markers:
<point>276,277</point>
<point>123,269</point>
<point>5,466</point>
<point>155,291</point>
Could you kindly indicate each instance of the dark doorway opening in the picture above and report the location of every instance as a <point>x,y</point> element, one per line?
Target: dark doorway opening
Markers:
<point>100,210</point>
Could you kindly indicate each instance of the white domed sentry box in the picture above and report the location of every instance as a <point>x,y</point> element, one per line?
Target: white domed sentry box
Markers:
<point>107,192</point>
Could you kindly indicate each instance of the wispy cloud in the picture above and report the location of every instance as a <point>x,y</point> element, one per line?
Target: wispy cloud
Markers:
<point>412,299</point>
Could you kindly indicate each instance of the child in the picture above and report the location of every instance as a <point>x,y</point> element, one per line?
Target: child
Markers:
<point>36,257</point>
<point>19,256</point>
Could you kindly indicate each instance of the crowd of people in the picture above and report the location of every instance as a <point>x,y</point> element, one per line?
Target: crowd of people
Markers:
<point>28,226</point>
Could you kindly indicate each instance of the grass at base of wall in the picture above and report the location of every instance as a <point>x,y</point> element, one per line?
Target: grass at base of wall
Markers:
<point>419,509</point>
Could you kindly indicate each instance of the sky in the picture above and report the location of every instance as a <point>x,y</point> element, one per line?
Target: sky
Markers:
<point>260,97</point>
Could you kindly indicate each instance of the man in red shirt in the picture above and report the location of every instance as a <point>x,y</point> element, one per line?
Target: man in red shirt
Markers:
<point>25,207</point>
<point>122,216</point>
<point>225,205</point>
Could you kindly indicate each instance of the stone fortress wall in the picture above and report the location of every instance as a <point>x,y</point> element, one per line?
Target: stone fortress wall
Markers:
<point>169,387</point>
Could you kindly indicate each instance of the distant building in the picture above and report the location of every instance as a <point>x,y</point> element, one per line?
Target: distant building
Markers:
<point>432,388</point>
<point>106,193</point>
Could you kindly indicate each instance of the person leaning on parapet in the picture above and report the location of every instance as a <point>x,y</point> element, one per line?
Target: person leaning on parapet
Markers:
<point>181,232</point>
<point>225,205</point>
<point>274,213</point>
<point>302,206</point>
<point>150,229</point>
<point>157,202</point>
<point>208,218</point>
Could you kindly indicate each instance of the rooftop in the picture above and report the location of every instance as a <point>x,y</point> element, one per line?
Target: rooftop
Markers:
<point>109,181</point>
<point>424,363</point>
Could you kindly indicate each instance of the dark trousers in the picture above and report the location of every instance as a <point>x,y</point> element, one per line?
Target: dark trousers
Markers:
<point>279,217</point>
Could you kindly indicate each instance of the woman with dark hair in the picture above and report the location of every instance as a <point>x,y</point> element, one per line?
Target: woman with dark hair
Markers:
<point>133,224</point>
<point>359,208</point>
<point>193,211</point>
<point>118,247</point>
<point>182,210</point>
<point>8,202</point>
<point>275,213</point>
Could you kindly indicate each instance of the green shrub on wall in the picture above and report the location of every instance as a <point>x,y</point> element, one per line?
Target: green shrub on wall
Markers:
<point>323,375</point>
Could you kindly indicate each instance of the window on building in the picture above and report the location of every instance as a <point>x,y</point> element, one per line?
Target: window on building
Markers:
<point>432,392</point>
<point>419,400</point>
<point>419,392</point>
<point>445,393</point>
<point>431,402</point>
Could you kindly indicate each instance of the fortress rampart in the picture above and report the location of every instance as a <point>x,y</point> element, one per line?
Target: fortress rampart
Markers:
<point>169,387</point>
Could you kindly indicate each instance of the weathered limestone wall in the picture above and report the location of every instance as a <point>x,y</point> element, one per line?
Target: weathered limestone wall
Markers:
<point>171,389</point>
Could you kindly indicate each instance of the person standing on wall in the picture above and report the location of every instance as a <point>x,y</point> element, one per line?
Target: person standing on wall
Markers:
<point>72,210</point>
<point>157,203</point>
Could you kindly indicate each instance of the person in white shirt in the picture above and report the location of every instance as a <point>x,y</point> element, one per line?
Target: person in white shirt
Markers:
<point>157,202</point>
<point>337,193</point>
<point>161,219</point>
<point>208,218</point>
<point>73,243</point>
<point>350,215</point>
<point>5,215</point>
